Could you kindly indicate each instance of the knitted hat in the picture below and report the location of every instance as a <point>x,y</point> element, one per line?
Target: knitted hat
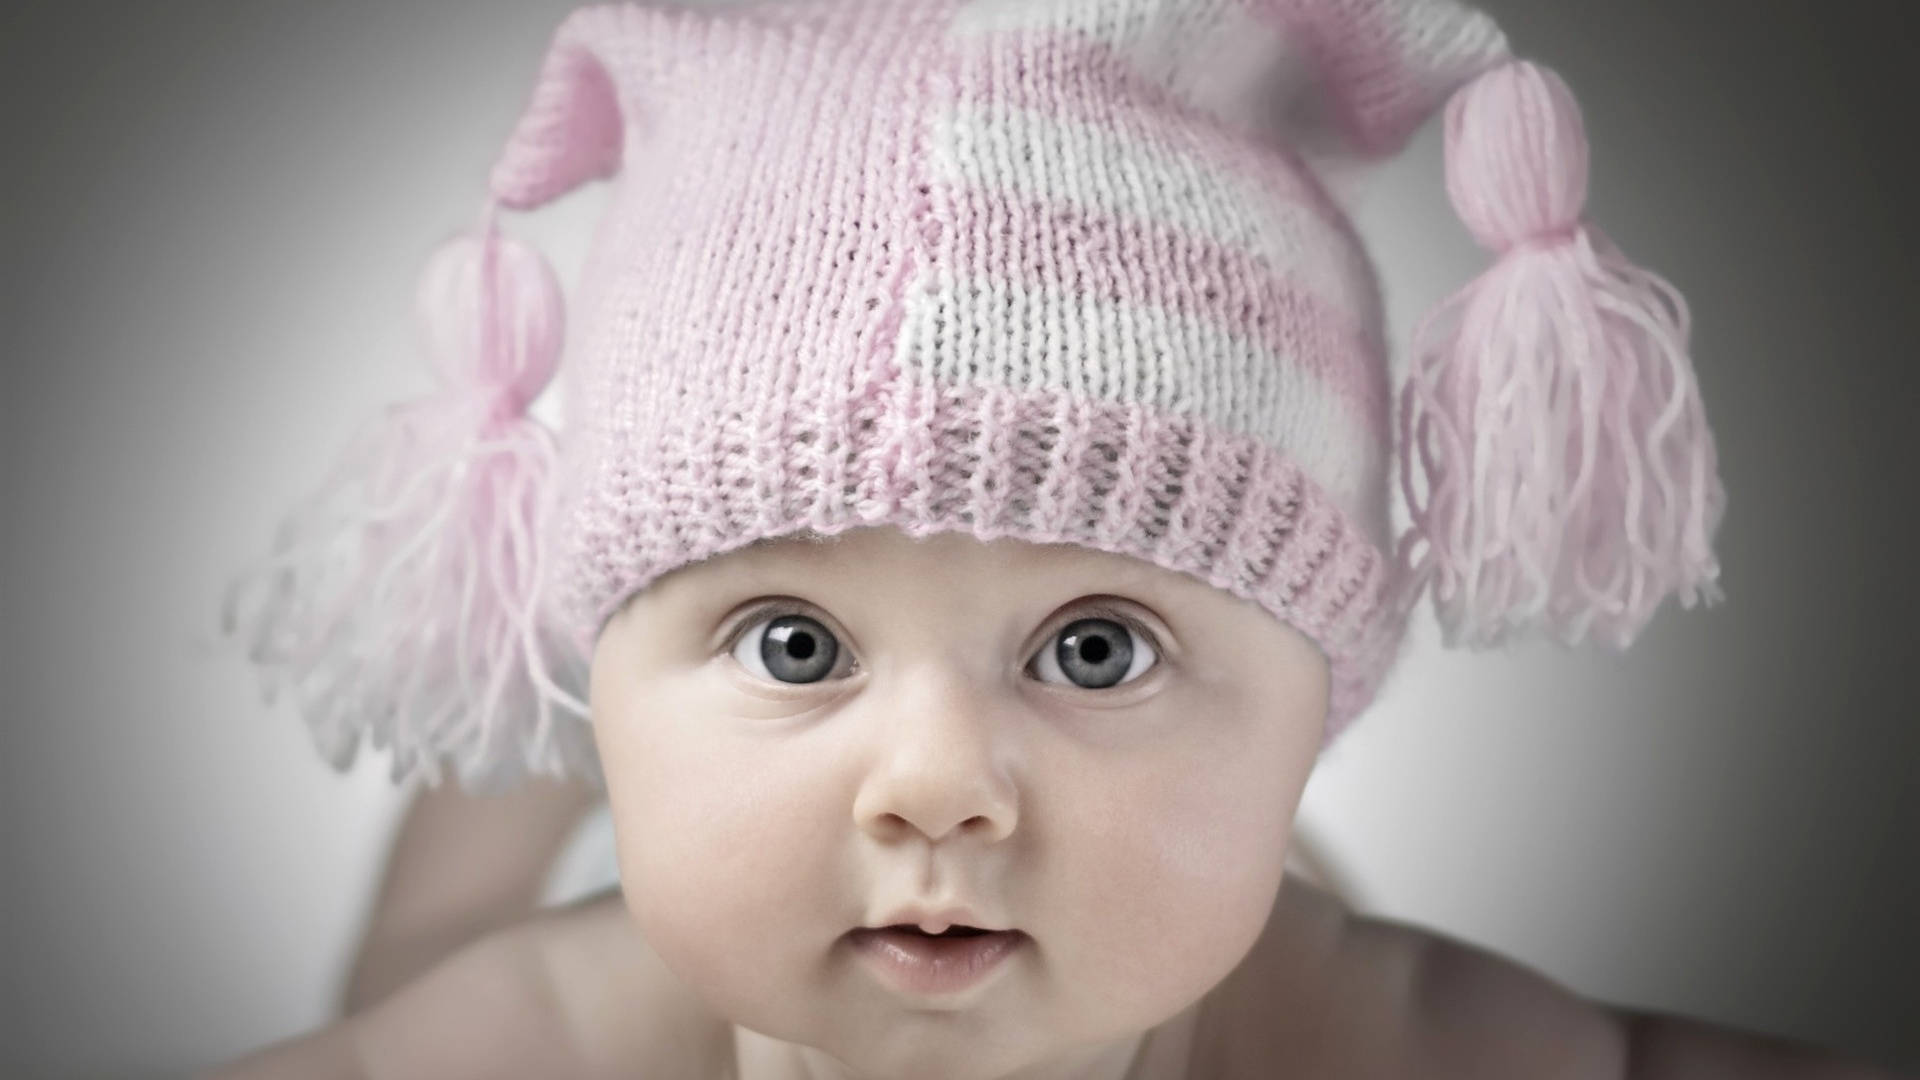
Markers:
<point>1061,270</point>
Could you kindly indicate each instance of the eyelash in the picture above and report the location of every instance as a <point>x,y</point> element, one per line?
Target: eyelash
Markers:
<point>780,609</point>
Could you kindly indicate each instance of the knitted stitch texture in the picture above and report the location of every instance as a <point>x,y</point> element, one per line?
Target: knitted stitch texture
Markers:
<point>981,266</point>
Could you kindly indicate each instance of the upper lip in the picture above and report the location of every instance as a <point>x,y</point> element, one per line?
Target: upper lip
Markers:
<point>934,919</point>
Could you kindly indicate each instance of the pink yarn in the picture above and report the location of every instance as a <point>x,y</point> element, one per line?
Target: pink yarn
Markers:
<point>1550,404</point>
<point>404,597</point>
<point>1516,156</point>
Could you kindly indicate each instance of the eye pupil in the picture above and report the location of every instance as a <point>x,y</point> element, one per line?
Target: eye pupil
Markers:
<point>1094,650</point>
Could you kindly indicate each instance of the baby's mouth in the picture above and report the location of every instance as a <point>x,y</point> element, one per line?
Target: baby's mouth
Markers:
<point>946,962</point>
<point>920,940</point>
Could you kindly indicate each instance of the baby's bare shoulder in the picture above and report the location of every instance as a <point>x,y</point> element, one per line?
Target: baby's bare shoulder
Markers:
<point>622,1007</point>
<point>571,992</point>
<point>1329,992</point>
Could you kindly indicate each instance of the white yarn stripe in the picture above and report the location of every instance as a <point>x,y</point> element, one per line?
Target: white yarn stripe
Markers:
<point>1057,159</point>
<point>1113,23</point>
<point>1220,60</point>
<point>989,331</point>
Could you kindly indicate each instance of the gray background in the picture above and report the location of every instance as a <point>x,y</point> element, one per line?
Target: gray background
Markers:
<point>214,215</point>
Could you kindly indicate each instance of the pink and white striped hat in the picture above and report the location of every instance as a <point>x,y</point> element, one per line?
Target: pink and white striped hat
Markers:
<point>1048,269</point>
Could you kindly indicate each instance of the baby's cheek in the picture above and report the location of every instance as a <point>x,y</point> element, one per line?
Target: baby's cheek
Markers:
<point>717,874</point>
<point>1178,885</point>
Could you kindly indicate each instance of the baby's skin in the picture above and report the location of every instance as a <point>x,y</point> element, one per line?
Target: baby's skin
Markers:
<point>805,738</point>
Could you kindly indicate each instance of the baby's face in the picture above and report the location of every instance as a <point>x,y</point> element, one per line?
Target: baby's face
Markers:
<point>803,738</point>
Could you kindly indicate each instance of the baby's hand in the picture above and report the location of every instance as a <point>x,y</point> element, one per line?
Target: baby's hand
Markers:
<point>1331,993</point>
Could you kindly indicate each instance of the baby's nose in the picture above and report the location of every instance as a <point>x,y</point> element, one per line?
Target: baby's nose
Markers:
<point>942,768</point>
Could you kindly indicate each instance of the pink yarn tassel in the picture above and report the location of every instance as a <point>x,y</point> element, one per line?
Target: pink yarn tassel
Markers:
<point>402,599</point>
<point>1551,405</point>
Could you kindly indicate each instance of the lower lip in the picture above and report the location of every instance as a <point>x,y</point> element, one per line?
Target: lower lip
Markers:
<point>920,964</point>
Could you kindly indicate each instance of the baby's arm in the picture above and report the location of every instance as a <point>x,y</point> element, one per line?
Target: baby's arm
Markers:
<point>1466,1001</point>
<point>461,867</point>
<point>1334,993</point>
<point>485,1011</point>
<point>573,992</point>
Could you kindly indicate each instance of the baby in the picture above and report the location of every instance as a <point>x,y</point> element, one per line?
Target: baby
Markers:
<point>971,525</point>
<point>947,808</point>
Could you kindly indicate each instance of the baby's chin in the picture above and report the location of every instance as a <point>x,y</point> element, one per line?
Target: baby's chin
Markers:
<point>931,1046</point>
<point>854,1027</point>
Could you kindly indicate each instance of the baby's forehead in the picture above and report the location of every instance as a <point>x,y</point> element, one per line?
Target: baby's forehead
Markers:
<point>881,560</point>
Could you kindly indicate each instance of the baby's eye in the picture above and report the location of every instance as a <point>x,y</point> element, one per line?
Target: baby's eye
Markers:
<point>1095,653</point>
<point>788,648</point>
